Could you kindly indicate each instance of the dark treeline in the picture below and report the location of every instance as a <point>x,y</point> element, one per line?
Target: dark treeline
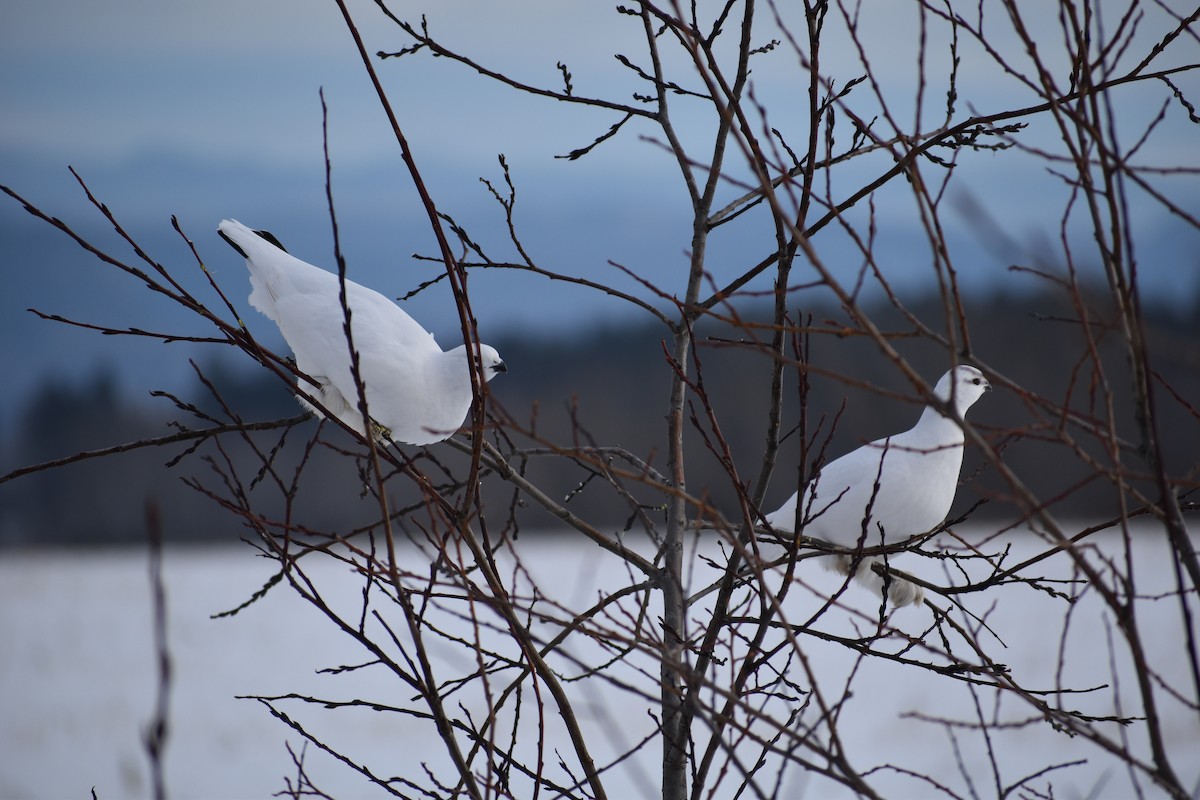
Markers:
<point>604,387</point>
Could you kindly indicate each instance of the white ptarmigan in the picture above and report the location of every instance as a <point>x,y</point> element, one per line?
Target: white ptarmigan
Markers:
<point>917,476</point>
<point>416,392</point>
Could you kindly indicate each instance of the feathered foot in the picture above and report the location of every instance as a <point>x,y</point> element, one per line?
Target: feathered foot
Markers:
<point>900,592</point>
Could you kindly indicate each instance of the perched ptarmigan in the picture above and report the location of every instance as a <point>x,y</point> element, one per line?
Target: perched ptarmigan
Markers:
<point>917,472</point>
<point>415,392</point>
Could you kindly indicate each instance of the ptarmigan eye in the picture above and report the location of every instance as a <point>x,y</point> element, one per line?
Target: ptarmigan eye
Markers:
<point>975,381</point>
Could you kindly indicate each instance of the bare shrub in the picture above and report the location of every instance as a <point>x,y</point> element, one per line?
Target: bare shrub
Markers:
<point>758,672</point>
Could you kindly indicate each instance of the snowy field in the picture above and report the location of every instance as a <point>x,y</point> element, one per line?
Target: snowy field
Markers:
<point>77,683</point>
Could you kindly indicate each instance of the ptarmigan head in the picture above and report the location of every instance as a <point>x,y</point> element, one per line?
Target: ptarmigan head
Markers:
<point>962,386</point>
<point>492,364</point>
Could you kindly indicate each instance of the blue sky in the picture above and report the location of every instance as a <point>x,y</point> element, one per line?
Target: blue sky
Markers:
<point>210,109</point>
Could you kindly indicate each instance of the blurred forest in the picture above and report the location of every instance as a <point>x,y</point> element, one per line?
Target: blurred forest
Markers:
<point>612,379</point>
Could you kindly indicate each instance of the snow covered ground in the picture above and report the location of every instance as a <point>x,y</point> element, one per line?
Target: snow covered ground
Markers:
<point>77,682</point>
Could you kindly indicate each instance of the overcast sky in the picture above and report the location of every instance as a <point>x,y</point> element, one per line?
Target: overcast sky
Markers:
<point>209,108</point>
